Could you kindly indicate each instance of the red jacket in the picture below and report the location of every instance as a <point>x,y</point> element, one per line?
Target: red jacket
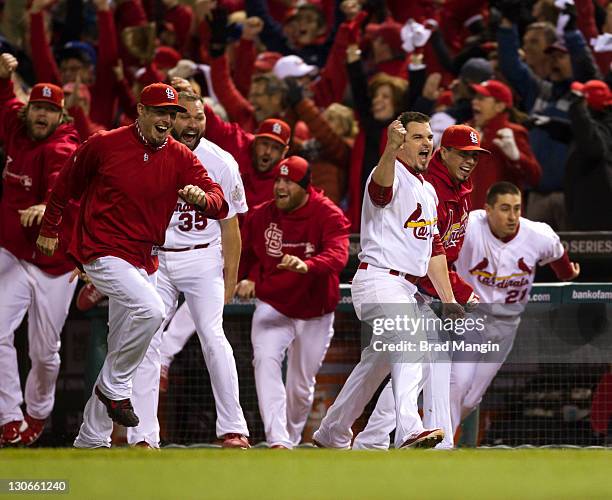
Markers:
<point>231,137</point>
<point>103,100</point>
<point>454,205</point>
<point>318,234</point>
<point>31,170</point>
<point>128,193</point>
<point>497,167</point>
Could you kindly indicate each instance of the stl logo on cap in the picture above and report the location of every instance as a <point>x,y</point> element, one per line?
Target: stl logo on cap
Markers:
<point>276,128</point>
<point>170,93</point>
<point>473,137</point>
<point>46,91</point>
<point>284,170</point>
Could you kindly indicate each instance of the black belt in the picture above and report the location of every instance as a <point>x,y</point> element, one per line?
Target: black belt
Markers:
<point>203,245</point>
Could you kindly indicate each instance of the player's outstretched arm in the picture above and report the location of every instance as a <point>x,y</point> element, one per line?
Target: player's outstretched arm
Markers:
<point>231,243</point>
<point>384,173</point>
<point>438,274</point>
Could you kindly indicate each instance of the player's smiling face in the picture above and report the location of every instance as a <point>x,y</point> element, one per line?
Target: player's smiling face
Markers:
<point>156,122</point>
<point>418,146</point>
<point>288,195</point>
<point>189,127</point>
<point>504,215</point>
<point>460,163</point>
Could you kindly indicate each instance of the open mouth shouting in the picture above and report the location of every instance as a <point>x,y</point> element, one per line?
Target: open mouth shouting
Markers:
<point>423,157</point>
<point>190,137</point>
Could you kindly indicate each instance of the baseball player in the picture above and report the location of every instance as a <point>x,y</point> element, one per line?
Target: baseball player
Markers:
<point>127,180</point>
<point>37,141</point>
<point>449,173</point>
<point>400,243</point>
<point>498,259</point>
<point>199,258</point>
<point>294,249</point>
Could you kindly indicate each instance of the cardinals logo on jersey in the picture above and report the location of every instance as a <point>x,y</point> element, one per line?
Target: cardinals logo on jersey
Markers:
<point>274,240</point>
<point>455,231</point>
<point>492,279</point>
<point>421,226</point>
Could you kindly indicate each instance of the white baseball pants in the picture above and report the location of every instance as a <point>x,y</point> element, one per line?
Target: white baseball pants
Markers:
<point>377,294</point>
<point>135,313</point>
<point>46,299</point>
<point>436,402</point>
<point>179,331</point>
<point>199,275</point>
<point>284,408</point>
<point>470,379</point>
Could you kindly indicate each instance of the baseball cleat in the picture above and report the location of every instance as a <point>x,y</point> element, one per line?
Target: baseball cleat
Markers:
<point>9,433</point>
<point>278,447</point>
<point>33,431</point>
<point>163,378</point>
<point>120,411</point>
<point>88,297</point>
<point>426,439</point>
<point>233,440</point>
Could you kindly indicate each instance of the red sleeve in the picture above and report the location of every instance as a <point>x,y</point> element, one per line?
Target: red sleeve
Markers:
<point>331,84</point>
<point>461,290</point>
<point>562,267</point>
<point>130,13</point>
<point>85,127</point>
<point>181,18</point>
<point>437,248</point>
<point>245,61</point>
<point>44,64</point>
<point>334,242</point>
<point>585,19</point>
<point>237,107</point>
<point>194,173</point>
<point>228,136</point>
<point>380,195</point>
<point>71,183</point>
<point>103,96</point>
<point>334,147</point>
<point>9,108</point>
<point>56,157</point>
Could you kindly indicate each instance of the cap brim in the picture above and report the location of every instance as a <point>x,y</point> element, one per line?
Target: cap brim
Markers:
<point>271,136</point>
<point>175,107</point>
<point>46,101</point>
<point>480,89</point>
<point>472,148</point>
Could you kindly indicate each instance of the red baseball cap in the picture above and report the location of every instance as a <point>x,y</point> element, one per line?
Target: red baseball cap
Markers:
<point>389,31</point>
<point>495,89</point>
<point>49,93</point>
<point>166,57</point>
<point>275,129</point>
<point>462,137</point>
<point>266,61</point>
<point>596,92</point>
<point>296,169</point>
<point>162,96</point>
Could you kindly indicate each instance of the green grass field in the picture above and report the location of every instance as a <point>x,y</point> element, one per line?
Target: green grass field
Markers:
<point>120,474</point>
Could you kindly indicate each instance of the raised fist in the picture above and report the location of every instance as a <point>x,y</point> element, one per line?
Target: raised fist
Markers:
<point>252,28</point>
<point>396,135</point>
<point>350,9</point>
<point>506,142</point>
<point>8,64</point>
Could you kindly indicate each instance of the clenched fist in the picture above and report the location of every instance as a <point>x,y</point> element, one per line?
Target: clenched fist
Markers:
<point>194,195</point>
<point>252,27</point>
<point>506,142</point>
<point>8,64</point>
<point>47,246</point>
<point>396,135</point>
<point>245,289</point>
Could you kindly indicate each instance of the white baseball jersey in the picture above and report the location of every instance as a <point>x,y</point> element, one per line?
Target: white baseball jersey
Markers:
<point>503,272</point>
<point>188,227</point>
<point>399,235</point>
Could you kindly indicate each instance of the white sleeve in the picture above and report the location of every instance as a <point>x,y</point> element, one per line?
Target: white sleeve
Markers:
<point>233,189</point>
<point>551,248</point>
